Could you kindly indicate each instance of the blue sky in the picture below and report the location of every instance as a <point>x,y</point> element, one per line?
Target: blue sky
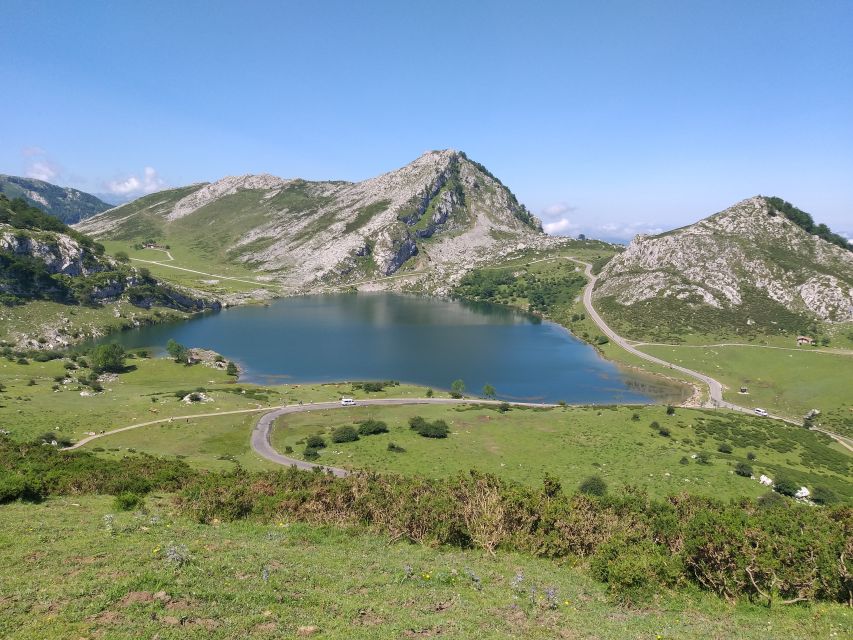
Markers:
<point>603,117</point>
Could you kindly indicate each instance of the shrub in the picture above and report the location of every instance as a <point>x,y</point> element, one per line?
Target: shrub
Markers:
<point>771,500</point>
<point>288,449</point>
<point>310,453</point>
<point>315,442</point>
<point>664,431</point>
<point>127,501</point>
<point>703,457</point>
<point>670,410</point>
<point>416,423</point>
<point>503,407</point>
<point>743,469</point>
<point>593,486</point>
<point>457,389</point>
<point>786,486</point>
<point>371,427</point>
<point>824,495</point>
<point>654,424</point>
<point>437,429</point>
<point>684,460</point>
<point>634,572</point>
<point>725,448</point>
<point>429,393</point>
<point>395,448</point>
<point>750,456</point>
<point>344,434</point>
<point>635,416</point>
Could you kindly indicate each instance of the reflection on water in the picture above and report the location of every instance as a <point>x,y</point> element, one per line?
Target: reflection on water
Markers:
<point>420,340</point>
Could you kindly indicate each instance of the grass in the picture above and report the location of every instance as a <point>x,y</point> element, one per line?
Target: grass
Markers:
<point>66,574</point>
<point>791,382</point>
<point>573,443</point>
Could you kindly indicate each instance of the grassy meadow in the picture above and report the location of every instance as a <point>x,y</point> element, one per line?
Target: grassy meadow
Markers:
<point>76,568</point>
<point>788,381</point>
<point>575,442</point>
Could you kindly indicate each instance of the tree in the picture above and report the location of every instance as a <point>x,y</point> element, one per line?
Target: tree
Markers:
<point>231,369</point>
<point>344,434</point>
<point>429,393</point>
<point>457,389</point>
<point>489,391</point>
<point>178,351</point>
<point>670,410</point>
<point>108,357</point>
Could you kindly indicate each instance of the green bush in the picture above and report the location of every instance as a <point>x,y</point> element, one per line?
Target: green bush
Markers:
<point>395,448</point>
<point>437,429</point>
<point>743,469</point>
<point>786,486</point>
<point>724,448</point>
<point>823,495</point>
<point>315,442</point>
<point>372,427</point>
<point>310,453</point>
<point>344,434</point>
<point>771,500</point>
<point>593,486</point>
<point>664,431</point>
<point>703,457</point>
<point>670,410</point>
<point>128,501</point>
<point>634,572</point>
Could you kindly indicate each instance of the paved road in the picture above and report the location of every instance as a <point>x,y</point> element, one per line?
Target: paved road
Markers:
<point>261,434</point>
<point>715,388</point>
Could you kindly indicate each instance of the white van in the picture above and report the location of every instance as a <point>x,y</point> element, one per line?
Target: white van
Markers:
<point>760,412</point>
<point>347,402</point>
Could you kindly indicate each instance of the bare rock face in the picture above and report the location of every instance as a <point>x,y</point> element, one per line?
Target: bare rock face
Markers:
<point>746,251</point>
<point>59,252</point>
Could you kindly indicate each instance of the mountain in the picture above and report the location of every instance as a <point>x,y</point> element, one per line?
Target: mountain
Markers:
<point>434,218</point>
<point>760,266</point>
<point>66,204</point>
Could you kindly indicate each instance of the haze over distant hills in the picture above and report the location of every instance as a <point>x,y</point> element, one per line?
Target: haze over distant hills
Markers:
<point>67,204</point>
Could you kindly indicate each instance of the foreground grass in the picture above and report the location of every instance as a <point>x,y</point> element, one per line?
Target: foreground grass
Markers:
<point>573,443</point>
<point>791,382</point>
<point>65,573</point>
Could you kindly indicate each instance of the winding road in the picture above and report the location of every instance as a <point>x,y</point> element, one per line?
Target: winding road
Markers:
<point>715,388</point>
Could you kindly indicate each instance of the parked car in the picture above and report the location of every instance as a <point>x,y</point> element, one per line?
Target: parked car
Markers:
<point>760,412</point>
<point>347,402</point>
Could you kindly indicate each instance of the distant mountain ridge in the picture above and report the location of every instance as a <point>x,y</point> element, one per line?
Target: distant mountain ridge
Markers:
<point>64,203</point>
<point>437,216</point>
<point>746,269</point>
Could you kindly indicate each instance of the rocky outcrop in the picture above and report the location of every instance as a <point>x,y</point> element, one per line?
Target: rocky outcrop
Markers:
<point>59,252</point>
<point>746,251</point>
<point>393,248</point>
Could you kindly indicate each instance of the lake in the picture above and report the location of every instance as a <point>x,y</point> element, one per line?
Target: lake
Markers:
<point>381,336</point>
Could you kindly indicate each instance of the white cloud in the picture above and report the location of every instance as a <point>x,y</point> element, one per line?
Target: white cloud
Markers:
<point>39,165</point>
<point>134,185</point>
<point>42,170</point>
<point>560,227</point>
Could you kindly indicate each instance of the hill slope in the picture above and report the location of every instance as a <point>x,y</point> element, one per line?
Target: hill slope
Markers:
<point>436,217</point>
<point>66,204</point>
<point>746,270</point>
<point>44,261</point>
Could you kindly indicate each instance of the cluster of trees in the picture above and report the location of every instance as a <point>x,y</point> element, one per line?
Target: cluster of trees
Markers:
<point>543,293</point>
<point>807,223</point>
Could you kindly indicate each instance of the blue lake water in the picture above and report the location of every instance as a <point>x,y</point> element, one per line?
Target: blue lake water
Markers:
<point>419,340</point>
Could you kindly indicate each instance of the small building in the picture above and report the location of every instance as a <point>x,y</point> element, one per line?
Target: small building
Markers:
<point>805,340</point>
